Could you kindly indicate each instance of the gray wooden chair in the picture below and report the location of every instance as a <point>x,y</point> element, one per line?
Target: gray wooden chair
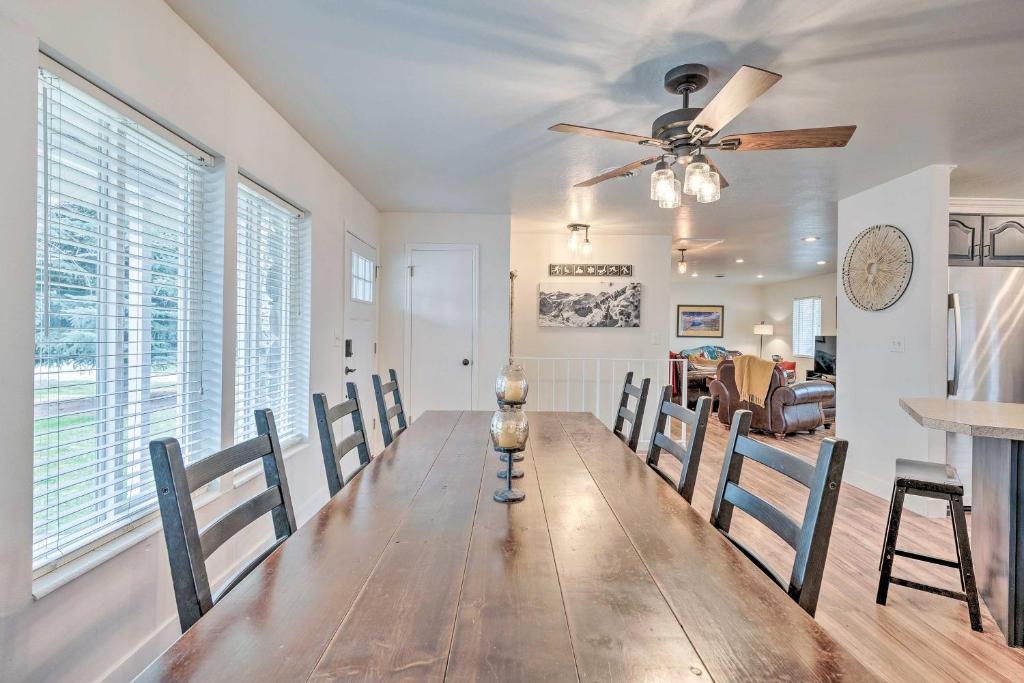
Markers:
<point>188,547</point>
<point>334,453</point>
<point>395,410</point>
<point>634,417</point>
<point>688,455</point>
<point>810,538</point>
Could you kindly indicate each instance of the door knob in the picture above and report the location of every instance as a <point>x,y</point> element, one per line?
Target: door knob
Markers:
<point>348,370</point>
<point>465,361</point>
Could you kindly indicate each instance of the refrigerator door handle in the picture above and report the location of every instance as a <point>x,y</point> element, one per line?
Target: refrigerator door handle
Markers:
<point>953,385</point>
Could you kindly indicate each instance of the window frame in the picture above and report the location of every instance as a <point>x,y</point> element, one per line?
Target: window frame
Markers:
<point>815,323</point>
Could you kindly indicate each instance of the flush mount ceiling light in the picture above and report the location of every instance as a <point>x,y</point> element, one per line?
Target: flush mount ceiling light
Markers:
<point>575,242</point>
<point>586,249</point>
<point>760,275</point>
<point>810,238</point>
<point>683,135</point>
<point>821,263</point>
<point>694,275</point>
<point>681,266</point>
<point>739,260</point>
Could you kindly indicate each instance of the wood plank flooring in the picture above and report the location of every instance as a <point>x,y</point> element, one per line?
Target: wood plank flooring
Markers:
<point>916,636</point>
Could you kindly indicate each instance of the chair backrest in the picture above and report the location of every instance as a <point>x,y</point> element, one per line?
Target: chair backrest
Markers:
<point>388,412</point>
<point>811,537</point>
<point>334,453</point>
<point>188,547</point>
<point>634,417</point>
<point>688,455</point>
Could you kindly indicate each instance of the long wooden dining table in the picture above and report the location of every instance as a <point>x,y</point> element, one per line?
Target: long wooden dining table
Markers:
<point>413,572</point>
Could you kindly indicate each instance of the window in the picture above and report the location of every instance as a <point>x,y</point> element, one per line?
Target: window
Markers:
<point>119,357</point>
<point>362,278</point>
<point>806,325</point>
<point>272,361</point>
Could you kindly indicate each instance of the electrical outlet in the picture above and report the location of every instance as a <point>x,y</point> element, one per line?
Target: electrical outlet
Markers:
<point>897,345</point>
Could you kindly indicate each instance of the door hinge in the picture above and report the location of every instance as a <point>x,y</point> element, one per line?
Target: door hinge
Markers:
<point>411,270</point>
<point>376,272</point>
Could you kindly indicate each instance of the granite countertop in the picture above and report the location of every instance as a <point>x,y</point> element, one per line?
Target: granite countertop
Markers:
<point>975,418</point>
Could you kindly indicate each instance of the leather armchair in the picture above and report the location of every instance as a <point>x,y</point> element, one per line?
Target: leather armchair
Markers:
<point>789,408</point>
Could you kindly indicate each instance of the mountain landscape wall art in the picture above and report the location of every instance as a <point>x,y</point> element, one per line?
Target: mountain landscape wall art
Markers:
<point>588,304</point>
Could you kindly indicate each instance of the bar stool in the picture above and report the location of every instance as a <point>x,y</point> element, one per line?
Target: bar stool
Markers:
<point>930,480</point>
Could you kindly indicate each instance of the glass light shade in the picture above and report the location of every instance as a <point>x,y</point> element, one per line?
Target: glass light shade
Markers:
<point>509,428</point>
<point>586,249</point>
<point>676,199</point>
<point>681,267</point>
<point>574,240</point>
<point>511,385</point>
<point>711,190</point>
<point>696,175</point>
<point>661,183</point>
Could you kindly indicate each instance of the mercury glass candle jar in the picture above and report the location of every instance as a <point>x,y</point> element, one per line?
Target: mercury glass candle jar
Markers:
<point>511,385</point>
<point>509,428</point>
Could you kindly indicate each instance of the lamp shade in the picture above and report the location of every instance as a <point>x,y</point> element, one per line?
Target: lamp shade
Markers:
<point>764,330</point>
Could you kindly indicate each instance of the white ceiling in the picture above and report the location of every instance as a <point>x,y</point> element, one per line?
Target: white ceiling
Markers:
<point>443,106</point>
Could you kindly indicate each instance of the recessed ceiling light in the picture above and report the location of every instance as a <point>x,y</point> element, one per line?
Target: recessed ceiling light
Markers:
<point>821,263</point>
<point>739,260</point>
<point>760,275</point>
<point>694,275</point>
<point>719,275</point>
<point>810,238</point>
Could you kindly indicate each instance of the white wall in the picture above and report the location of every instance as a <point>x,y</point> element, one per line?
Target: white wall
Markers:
<point>744,308</point>
<point>490,232</point>
<point>870,377</point>
<point>778,311</point>
<point>116,618</point>
<point>650,256</point>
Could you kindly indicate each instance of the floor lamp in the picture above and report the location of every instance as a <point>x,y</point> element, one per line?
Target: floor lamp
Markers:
<point>763,331</point>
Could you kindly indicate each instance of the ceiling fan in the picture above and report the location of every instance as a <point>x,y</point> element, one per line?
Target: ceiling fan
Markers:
<point>683,135</point>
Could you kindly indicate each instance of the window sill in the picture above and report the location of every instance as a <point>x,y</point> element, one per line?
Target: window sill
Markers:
<point>72,569</point>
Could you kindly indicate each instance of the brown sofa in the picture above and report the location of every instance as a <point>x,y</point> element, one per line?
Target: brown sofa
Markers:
<point>789,408</point>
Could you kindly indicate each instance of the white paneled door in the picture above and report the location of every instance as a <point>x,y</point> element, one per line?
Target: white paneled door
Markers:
<point>361,329</point>
<point>441,328</point>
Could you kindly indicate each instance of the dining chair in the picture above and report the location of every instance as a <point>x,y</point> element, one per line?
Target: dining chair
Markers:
<point>188,546</point>
<point>810,538</point>
<point>394,411</point>
<point>688,455</point>
<point>634,417</point>
<point>334,453</point>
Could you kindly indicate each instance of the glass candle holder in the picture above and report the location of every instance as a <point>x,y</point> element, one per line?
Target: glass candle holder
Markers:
<point>511,386</point>
<point>509,428</point>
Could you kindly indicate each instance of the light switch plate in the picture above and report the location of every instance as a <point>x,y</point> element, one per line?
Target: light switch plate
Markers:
<point>897,345</point>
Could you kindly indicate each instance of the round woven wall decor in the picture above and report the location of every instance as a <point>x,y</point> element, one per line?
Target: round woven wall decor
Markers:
<point>877,267</point>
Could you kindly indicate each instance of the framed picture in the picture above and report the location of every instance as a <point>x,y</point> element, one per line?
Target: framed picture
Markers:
<point>700,321</point>
<point>588,304</point>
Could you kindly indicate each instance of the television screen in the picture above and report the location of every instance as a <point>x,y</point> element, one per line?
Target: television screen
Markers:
<point>825,355</point>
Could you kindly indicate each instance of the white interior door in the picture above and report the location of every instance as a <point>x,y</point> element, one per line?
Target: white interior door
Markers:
<point>361,329</point>
<point>441,328</point>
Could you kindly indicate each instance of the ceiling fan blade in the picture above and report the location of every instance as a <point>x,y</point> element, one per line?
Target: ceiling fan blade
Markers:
<point>616,172</point>
<point>835,136</point>
<point>745,86</point>
<point>601,133</point>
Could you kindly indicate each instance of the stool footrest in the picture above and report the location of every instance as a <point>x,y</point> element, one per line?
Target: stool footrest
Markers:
<point>927,558</point>
<point>906,583</point>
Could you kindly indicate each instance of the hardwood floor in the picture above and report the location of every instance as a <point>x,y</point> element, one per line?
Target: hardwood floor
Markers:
<point>916,636</point>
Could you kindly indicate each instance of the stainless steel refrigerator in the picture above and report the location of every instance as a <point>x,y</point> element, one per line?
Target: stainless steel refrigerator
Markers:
<point>985,346</point>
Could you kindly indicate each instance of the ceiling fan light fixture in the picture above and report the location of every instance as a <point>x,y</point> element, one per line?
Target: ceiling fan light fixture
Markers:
<point>697,173</point>
<point>586,248</point>
<point>710,190</point>
<point>675,199</point>
<point>661,181</point>
<point>575,242</point>
<point>681,267</point>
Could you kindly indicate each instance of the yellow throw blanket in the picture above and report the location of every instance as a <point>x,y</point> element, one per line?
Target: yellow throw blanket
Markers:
<point>753,377</point>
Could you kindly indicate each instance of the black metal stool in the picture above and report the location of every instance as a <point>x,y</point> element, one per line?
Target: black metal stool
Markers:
<point>931,480</point>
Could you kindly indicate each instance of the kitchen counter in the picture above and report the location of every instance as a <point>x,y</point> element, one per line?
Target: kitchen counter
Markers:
<point>997,506</point>
<point>974,418</point>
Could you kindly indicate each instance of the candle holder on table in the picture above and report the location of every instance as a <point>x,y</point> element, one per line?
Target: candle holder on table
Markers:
<point>509,431</point>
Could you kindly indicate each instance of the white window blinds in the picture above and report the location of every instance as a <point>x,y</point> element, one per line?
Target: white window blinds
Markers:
<point>806,325</point>
<point>118,317</point>
<point>272,355</point>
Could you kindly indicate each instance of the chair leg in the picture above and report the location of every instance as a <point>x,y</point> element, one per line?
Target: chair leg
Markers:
<point>888,523</point>
<point>889,553</point>
<point>966,563</point>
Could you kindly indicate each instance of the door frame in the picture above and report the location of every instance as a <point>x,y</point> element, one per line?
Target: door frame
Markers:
<point>474,250</point>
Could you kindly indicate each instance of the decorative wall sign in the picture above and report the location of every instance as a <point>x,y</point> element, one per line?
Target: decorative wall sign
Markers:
<point>877,267</point>
<point>588,304</point>
<point>590,270</point>
<point>700,321</point>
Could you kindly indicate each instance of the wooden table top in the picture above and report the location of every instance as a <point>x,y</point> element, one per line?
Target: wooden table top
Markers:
<point>413,572</point>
